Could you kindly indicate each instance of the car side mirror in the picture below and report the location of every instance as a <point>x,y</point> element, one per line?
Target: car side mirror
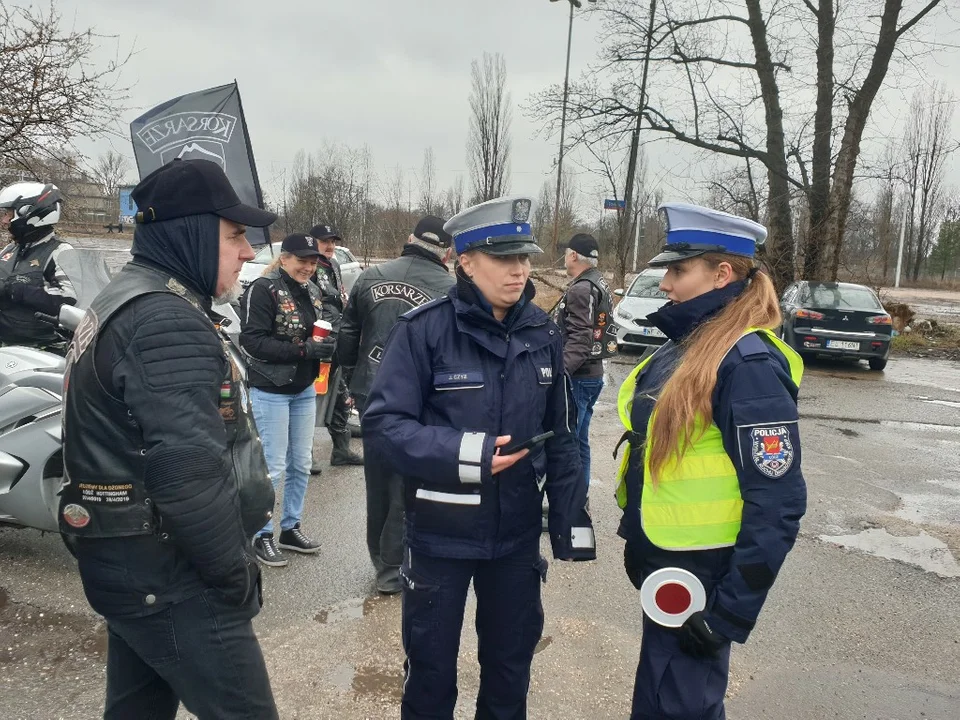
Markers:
<point>618,292</point>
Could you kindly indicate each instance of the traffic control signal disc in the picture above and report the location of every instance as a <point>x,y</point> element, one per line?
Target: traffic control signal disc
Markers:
<point>671,595</point>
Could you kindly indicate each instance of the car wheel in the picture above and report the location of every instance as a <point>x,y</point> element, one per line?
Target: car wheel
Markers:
<point>877,363</point>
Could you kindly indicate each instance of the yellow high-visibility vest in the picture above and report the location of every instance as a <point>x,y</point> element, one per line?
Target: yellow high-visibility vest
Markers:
<point>696,504</point>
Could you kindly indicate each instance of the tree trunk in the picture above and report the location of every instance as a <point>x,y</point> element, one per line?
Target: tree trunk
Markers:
<point>779,255</point>
<point>818,195</point>
<point>859,111</point>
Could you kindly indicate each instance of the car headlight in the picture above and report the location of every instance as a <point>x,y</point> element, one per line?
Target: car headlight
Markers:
<point>623,314</point>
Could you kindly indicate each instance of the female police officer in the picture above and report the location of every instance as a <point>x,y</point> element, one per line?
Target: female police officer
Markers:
<point>462,377</point>
<point>711,484</point>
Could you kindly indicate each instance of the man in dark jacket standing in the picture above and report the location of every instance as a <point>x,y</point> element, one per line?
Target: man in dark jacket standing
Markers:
<point>330,281</point>
<point>165,479</point>
<point>380,296</point>
<point>584,315</point>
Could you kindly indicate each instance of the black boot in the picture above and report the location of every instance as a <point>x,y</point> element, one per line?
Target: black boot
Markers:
<point>341,454</point>
<point>315,467</point>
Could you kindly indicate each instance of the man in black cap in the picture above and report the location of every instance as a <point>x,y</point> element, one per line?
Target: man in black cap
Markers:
<point>584,315</point>
<point>165,482</point>
<point>379,297</point>
<point>330,281</point>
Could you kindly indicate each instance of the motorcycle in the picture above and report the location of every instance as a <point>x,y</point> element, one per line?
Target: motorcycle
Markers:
<point>31,394</point>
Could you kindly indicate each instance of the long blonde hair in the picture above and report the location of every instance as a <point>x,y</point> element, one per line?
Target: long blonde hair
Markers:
<point>684,409</point>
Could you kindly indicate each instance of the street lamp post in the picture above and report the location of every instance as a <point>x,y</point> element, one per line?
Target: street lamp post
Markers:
<point>563,122</point>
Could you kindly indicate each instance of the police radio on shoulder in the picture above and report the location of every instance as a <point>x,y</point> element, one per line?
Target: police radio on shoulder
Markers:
<point>530,444</point>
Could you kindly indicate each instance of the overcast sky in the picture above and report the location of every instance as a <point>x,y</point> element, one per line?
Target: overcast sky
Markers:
<point>390,74</point>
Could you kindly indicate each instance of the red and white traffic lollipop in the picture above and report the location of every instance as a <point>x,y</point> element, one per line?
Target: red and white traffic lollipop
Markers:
<point>671,595</point>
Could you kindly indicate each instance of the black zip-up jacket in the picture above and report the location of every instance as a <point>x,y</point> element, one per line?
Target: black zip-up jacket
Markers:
<point>379,297</point>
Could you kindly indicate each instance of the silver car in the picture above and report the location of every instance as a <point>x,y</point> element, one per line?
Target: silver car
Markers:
<point>641,298</point>
<point>350,267</point>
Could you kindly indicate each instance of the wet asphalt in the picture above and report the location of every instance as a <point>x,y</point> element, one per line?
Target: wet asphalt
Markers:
<point>864,621</point>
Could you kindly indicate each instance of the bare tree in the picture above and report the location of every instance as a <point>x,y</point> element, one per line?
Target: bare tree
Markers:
<point>110,172</point>
<point>50,91</point>
<point>428,183</point>
<point>488,145</point>
<point>927,145</point>
<point>454,198</point>
<point>732,78</point>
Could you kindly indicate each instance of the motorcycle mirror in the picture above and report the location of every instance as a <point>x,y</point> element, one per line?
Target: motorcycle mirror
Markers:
<point>70,317</point>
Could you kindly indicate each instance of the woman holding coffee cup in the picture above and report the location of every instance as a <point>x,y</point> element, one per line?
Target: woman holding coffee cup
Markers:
<point>285,338</point>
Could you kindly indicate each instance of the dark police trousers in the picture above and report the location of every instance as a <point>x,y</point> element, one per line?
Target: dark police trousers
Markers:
<point>509,623</point>
<point>672,685</point>
<point>384,513</point>
<point>201,652</point>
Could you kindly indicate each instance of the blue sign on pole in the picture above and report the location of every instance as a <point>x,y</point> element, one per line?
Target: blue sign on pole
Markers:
<point>128,208</point>
<point>610,204</point>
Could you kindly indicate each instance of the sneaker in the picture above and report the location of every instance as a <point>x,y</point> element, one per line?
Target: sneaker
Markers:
<point>294,539</point>
<point>267,553</point>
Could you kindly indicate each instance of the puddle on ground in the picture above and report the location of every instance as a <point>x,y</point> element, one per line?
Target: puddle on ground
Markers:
<point>543,644</point>
<point>352,609</point>
<point>924,551</point>
<point>383,683</point>
<point>899,424</point>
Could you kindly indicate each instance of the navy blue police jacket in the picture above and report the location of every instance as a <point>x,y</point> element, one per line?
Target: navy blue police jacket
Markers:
<point>452,379</point>
<point>754,390</point>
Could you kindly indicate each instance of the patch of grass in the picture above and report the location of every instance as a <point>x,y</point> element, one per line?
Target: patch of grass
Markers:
<point>930,339</point>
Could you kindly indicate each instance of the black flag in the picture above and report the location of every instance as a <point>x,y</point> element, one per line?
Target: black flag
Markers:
<point>205,125</point>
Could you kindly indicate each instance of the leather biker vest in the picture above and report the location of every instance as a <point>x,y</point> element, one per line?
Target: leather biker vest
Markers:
<point>104,493</point>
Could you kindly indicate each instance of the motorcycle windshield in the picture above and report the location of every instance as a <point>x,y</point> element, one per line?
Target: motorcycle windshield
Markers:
<point>88,272</point>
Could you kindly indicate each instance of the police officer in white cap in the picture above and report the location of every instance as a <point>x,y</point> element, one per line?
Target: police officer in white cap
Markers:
<point>463,379</point>
<point>710,485</point>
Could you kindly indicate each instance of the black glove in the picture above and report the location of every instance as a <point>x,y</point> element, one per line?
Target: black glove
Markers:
<point>698,639</point>
<point>37,298</point>
<point>243,582</point>
<point>322,349</point>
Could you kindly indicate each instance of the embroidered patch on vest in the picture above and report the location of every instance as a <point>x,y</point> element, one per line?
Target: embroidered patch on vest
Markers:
<point>376,354</point>
<point>399,291</point>
<point>771,450</point>
<point>76,516</point>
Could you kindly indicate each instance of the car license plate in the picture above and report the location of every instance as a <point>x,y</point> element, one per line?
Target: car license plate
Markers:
<point>651,332</point>
<point>843,345</point>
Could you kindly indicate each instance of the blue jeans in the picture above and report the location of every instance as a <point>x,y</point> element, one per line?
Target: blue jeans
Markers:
<point>585,393</point>
<point>285,424</point>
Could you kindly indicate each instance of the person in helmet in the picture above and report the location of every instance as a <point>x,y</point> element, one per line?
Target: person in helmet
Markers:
<point>31,281</point>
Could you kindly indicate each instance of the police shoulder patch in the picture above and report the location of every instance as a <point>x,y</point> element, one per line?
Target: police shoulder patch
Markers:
<point>772,450</point>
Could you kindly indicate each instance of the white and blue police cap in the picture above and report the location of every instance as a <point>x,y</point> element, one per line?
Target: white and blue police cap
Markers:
<point>693,230</point>
<point>496,227</point>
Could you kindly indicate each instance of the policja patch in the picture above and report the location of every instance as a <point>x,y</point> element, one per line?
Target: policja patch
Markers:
<point>771,450</point>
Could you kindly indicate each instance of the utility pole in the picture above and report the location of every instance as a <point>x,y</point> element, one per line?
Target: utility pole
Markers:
<point>635,138</point>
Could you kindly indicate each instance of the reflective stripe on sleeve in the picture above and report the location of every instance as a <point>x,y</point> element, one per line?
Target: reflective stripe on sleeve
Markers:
<point>471,455</point>
<point>451,498</point>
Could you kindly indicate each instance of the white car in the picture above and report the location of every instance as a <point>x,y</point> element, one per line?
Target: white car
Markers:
<point>641,298</point>
<point>350,268</point>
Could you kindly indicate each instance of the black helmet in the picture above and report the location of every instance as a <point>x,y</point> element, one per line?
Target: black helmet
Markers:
<point>35,206</point>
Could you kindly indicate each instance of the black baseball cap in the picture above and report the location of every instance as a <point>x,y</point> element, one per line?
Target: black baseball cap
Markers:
<point>585,245</point>
<point>301,245</point>
<point>193,187</point>
<point>430,230</point>
<point>325,232</point>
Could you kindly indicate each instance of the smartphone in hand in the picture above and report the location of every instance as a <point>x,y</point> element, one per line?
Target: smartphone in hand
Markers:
<point>530,444</point>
